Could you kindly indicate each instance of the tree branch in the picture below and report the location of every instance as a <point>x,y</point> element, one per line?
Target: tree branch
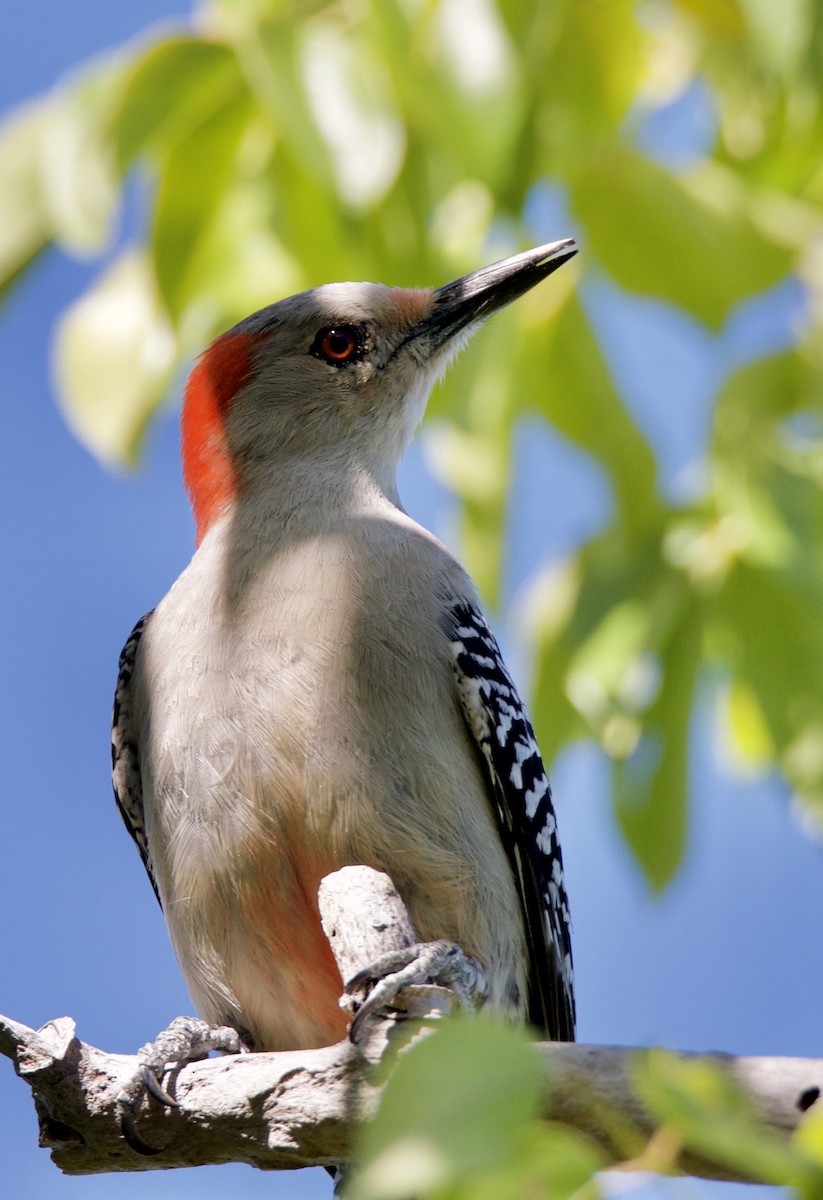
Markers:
<point>301,1108</point>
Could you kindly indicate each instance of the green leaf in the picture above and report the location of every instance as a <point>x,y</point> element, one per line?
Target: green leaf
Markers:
<point>78,171</point>
<point>551,1160</point>
<point>584,63</point>
<point>660,235</point>
<point>769,633</point>
<point>272,58</point>
<point>25,222</point>
<point>195,176</point>
<point>808,1139</point>
<point>599,621</point>
<point>722,17</point>
<point>563,1161</point>
<point>771,636</point>
<point>172,89</point>
<point>566,378</point>
<point>754,397</point>
<point>457,1103</point>
<point>549,609</point>
<point>472,453</point>
<point>651,783</point>
<point>746,733</point>
<point>619,640</point>
<point>307,214</point>
<point>114,357</point>
<point>711,1113</point>
<point>781,35</point>
<point>238,264</point>
<point>352,105</point>
<point>55,175</point>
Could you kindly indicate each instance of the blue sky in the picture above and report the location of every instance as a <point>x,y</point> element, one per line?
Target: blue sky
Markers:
<point>720,961</point>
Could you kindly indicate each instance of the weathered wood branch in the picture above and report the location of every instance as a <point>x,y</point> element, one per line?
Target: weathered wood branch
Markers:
<point>301,1108</point>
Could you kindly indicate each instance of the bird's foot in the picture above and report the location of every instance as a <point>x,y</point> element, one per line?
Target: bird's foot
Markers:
<point>425,962</point>
<point>187,1039</point>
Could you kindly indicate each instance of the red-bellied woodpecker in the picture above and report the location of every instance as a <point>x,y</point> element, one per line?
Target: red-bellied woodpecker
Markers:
<point>319,687</point>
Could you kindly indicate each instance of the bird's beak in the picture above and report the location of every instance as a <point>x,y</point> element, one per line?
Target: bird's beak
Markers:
<point>476,296</point>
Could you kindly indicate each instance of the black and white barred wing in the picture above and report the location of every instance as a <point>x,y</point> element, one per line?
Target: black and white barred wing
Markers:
<point>523,806</point>
<point>125,763</point>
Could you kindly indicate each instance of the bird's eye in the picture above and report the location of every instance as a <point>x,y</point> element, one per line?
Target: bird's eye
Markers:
<point>338,345</point>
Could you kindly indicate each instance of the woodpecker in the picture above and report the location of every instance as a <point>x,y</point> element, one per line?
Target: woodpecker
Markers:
<point>321,688</point>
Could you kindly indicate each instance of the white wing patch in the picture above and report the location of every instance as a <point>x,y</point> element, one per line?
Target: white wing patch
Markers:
<point>497,718</point>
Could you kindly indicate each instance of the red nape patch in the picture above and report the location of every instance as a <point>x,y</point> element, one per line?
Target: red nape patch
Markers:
<point>208,471</point>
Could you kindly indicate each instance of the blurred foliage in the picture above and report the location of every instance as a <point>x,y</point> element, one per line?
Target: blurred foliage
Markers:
<point>285,144</point>
<point>459,1120</point>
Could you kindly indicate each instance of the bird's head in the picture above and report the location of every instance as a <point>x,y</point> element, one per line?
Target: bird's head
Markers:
<point>339,374</point>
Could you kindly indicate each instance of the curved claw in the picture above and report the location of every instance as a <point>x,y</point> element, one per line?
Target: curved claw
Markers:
<point>187,1039</point>
<point>152,1084</point>
<point>380,995</point>
<point>133,1139</point>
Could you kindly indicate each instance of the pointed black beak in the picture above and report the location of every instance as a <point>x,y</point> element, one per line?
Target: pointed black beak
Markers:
<point>476,296</point>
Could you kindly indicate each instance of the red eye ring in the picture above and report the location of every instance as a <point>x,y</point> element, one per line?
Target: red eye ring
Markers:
<point>337,345</point>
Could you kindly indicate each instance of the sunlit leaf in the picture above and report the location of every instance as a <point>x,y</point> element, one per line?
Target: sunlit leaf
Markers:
<point>710,1112</point>
<point>473,454</point>
<point>195,175</point>
<point>79,182</point>
<point>747,734</point>
<point>171,90</point>
<point>656,236</point>
<point>808,1139</point>
<point>599,623</point>
<point>782,34</point>
<point>436,1121</point>
<point>237,266</point>
<point>772,637</point>
<point>723,17</point>
<point>588,60</point>
<point>561,1161</point>
<point>114,355</point>
<point>567,380</point>
<point>353,110</point>
<point>548,608</point>
<point>551,1161</point>
<point>25,223</point>
<point>56,177</point>
<point>651,782</point>
<point>273,60</point>
<point>307,216</point>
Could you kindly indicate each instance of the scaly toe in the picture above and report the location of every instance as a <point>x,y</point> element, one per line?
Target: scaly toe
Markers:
<point>440,962</point>
<point>187,1039</point>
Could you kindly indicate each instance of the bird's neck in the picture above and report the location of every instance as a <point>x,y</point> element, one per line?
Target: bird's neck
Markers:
<point>303,498</point>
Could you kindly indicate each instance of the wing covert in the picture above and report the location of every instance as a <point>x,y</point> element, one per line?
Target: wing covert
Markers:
<point>522,803</point>
<point>125,762</point>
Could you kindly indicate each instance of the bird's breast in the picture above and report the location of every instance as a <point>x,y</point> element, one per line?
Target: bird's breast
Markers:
<point>309,721</point>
